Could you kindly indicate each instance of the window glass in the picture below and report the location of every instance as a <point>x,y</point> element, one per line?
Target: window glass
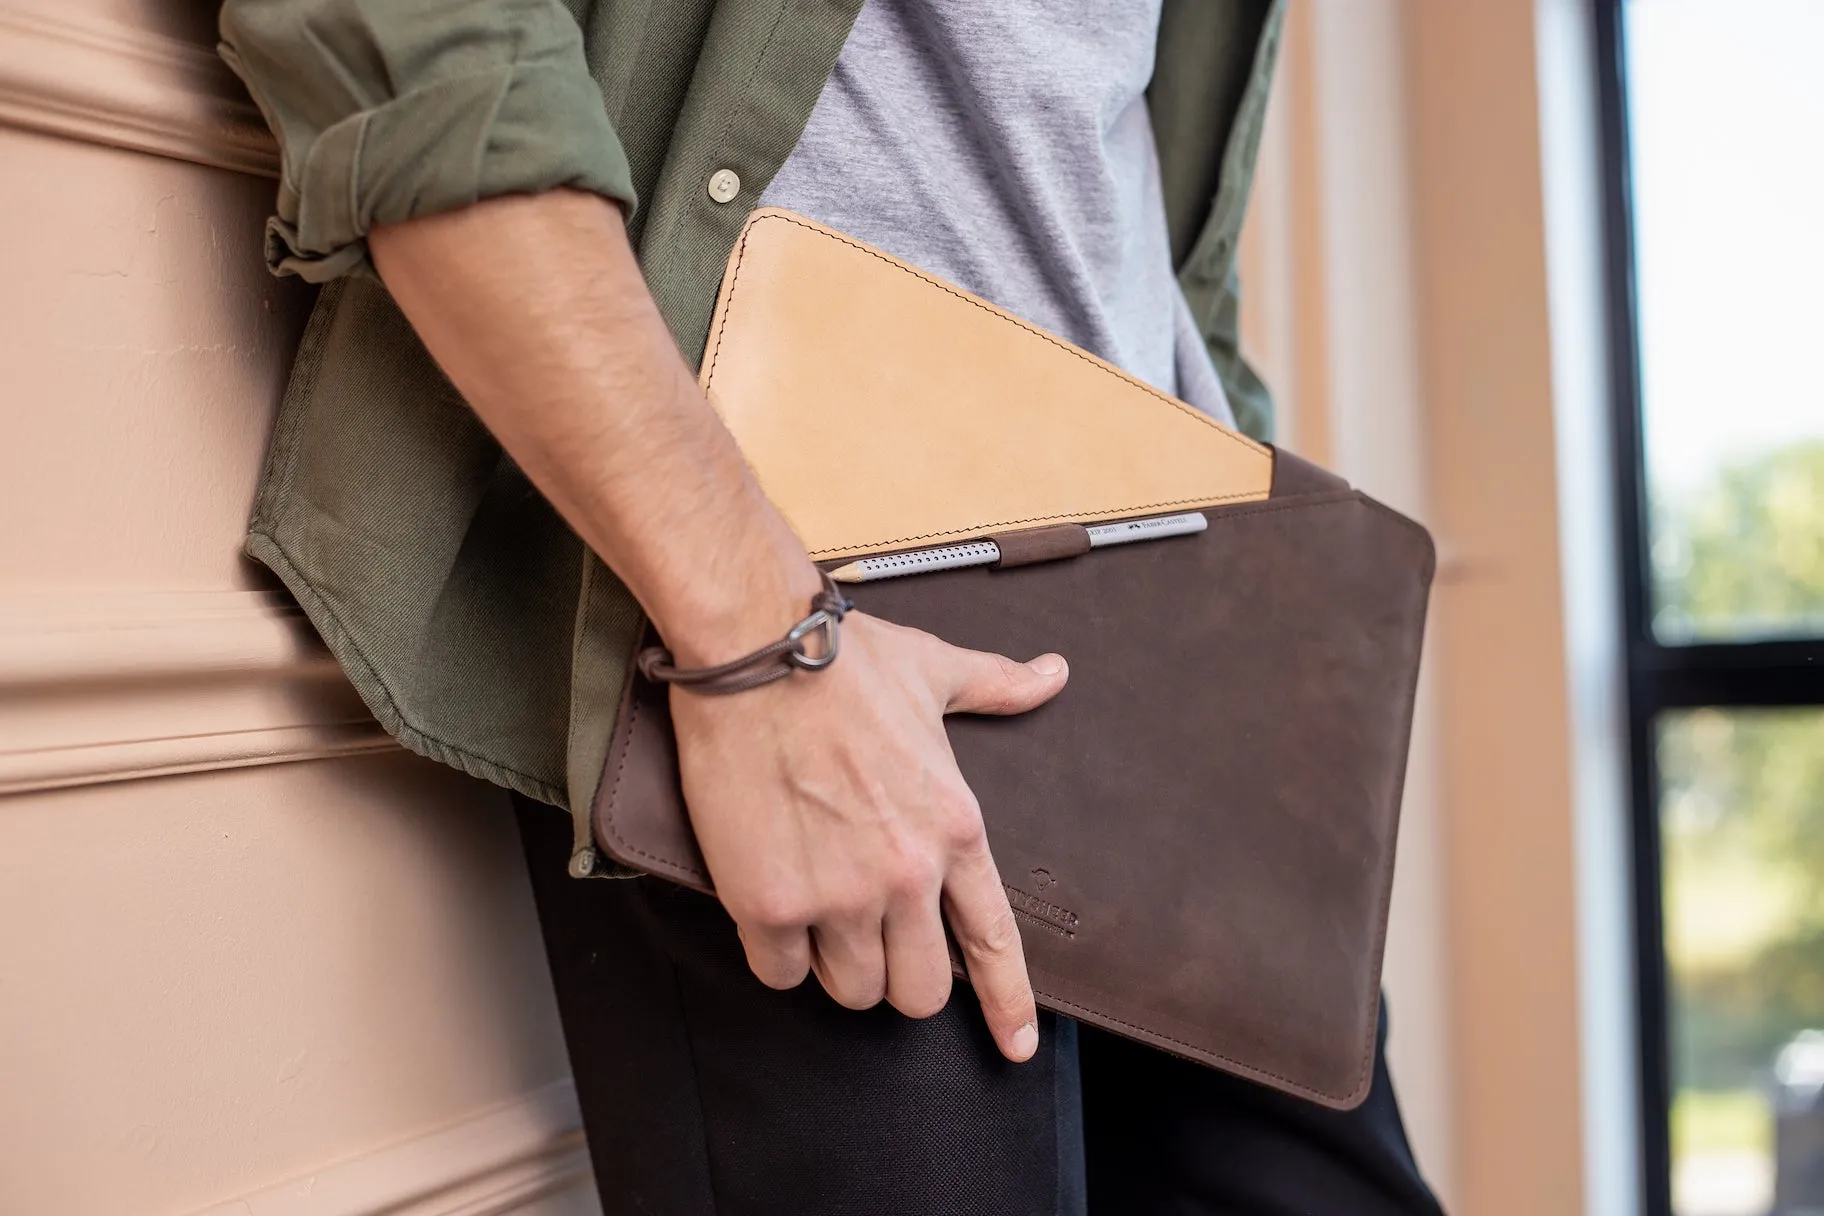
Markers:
<point>1742,832</point>
<point>1726,115</point>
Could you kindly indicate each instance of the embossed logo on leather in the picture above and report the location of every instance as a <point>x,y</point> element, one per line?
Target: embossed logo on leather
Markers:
<point>1052,917</point>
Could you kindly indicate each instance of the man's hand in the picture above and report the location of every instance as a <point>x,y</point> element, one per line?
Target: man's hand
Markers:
<point>828,805</point>
<point>834,820</point>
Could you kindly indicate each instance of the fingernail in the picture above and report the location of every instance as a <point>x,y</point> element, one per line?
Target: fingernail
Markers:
<point>1025,1041</point>
<point>1048,664</point>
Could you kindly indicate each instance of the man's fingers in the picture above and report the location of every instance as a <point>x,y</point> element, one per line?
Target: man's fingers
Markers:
<point>990,941</point>
<point>918,960</point>
<point>982,683</point>
<point>850,962</point>
<point>780,958</point>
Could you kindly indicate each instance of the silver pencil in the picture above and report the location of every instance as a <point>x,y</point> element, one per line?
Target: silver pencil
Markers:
<point>986,552</point>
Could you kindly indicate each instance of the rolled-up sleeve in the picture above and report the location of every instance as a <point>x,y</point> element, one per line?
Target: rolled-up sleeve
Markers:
<point>390,109</point>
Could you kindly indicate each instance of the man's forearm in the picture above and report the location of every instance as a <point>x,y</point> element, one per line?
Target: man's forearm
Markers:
<point>829,808</point>
<point>536,309</point>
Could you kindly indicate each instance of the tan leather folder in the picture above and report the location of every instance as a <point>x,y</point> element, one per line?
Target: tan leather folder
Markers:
<point>1197,835</point>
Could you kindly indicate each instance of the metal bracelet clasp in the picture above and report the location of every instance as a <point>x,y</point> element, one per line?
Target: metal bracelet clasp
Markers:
<point>822,622</point>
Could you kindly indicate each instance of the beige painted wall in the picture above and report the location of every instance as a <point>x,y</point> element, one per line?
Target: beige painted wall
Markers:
<point>1487,363</point>
<point>253,958</point>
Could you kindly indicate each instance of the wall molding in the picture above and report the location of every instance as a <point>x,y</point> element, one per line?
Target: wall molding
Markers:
<point>500,1162</point>
<point>110,686</point>
<point>128,88</point>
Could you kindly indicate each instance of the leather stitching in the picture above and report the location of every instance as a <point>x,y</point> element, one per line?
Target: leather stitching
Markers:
<point>728,306</point>
<point>1034,330</point>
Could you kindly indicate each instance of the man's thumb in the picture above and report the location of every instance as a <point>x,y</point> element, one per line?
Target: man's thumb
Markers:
<point>994,684</point>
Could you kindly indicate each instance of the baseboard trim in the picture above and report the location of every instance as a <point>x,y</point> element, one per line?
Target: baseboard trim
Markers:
<point>128,88</point>
<point>495,1164</point>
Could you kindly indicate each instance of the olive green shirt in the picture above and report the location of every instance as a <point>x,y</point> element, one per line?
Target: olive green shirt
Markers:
<point>476,626</point>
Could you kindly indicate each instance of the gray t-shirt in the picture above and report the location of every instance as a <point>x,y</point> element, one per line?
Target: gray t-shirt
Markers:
<point>1006,147</point>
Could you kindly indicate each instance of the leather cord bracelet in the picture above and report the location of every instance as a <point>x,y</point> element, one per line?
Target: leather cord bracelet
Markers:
<point>763,666</point>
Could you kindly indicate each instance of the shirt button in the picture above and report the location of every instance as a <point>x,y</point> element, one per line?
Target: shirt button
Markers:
<point>724,184</point>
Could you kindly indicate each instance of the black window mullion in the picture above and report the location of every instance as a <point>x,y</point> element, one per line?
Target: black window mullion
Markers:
<point>1728,675</point>
<point>1652,979</point>
<point>1627,444</point>
<point>1628,455</point>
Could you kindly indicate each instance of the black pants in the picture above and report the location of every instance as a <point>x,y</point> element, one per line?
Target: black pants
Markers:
<point>705,1092</point>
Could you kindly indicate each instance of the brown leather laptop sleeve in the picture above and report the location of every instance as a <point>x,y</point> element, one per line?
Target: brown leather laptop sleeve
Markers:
<point>1197,836</point>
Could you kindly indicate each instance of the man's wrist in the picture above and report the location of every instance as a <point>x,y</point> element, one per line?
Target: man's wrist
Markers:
<point>723,614</point>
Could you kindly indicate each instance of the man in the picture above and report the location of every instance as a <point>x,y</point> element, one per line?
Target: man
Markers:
<point>548,195</point>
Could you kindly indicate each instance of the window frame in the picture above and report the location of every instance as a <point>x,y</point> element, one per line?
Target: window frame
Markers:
<point>1658,677</point>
